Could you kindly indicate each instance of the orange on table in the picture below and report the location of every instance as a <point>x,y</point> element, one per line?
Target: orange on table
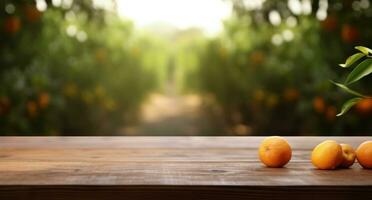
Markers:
<point>275,151</point>
<point>327,155</point>
<point>348,155</point>
<point>364,154</point>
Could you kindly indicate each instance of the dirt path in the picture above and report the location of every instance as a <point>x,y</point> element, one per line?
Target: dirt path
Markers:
<point>172,115</point>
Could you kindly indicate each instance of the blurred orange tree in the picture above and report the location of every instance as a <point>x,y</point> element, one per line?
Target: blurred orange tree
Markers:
<point>72,68</point>
<point>268,72</point>
<point>77,68</point>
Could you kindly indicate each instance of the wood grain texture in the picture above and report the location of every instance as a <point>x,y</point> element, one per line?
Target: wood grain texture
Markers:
<point>168,168</point>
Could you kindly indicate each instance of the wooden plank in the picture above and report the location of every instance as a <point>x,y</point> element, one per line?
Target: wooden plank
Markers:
<point>210,167</point>
<point>176,173</point>
<point>161,142</point>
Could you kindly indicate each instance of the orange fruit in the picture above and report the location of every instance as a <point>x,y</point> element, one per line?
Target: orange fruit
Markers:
<point>12,24</point>
<point>291,94</point>
<point>349,33</point>
<point>327,155</point>
<point>331,113</point>
<point>319,104</point>
<point>4,105</point>
<point>275,151</point>
<point>32,108</point>
<point>348,155</point>
<point>43,100</point>
<point>32,13</point>
<point>330,23</point>
<point>364,154</point>
<point>364,106</point>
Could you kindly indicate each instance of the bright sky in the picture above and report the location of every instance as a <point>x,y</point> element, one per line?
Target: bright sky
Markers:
<point>205,14</point>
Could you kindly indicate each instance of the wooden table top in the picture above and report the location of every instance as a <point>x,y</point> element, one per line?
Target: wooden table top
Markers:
<point>214,167</point>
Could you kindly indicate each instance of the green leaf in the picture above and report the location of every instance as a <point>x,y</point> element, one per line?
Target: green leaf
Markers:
<point>364,50</point>
<point>360,71</point>
<point>347,105</point>
<point>352,59</point>
<point>348,90</point>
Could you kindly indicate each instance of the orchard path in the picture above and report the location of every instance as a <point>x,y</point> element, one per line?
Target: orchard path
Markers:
<point>172,114</point>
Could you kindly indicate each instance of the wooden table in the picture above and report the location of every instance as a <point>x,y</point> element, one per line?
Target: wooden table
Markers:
<point>169,168</point>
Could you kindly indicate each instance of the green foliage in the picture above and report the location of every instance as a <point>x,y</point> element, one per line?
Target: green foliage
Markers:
<point>348,90</point>
<point>72,69</point>
<point>366,51</point>
<point>352,60</point>
<point>346,107</point>
<point>80,69</point>
<point>270,78</point>
<point>362,69</point>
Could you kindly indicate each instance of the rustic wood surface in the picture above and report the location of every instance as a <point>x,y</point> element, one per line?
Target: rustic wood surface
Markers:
<point>169,168</point>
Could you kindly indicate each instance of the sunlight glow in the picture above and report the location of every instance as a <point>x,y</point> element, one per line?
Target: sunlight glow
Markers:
<point>205,14</point>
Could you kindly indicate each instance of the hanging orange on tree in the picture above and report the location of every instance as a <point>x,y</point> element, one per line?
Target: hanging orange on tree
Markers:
<point>319,104</point>
<point>12,24</point>
<point>32,14</point>
<point>43,100</point>
<point>349,33</point>
<point>329,24</point>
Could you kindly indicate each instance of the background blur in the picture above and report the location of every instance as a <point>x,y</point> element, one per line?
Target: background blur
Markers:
<point>211,67</point>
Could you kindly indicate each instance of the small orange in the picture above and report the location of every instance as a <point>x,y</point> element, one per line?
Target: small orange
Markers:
<point>291,94</point>
<point>349,33</point>
<point>275,151</point>
<point>364,106</point>
<point>32,108</point>
<point>330,23</point>
<point>319,104</point>
<point>327,155</point>
<point>348,154</point>
<point>4,105</point>
<point>43,100</point>
<point>364,154</point>
<point>32,13</point>
<point>12,25</point>
<point>331,113</point>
